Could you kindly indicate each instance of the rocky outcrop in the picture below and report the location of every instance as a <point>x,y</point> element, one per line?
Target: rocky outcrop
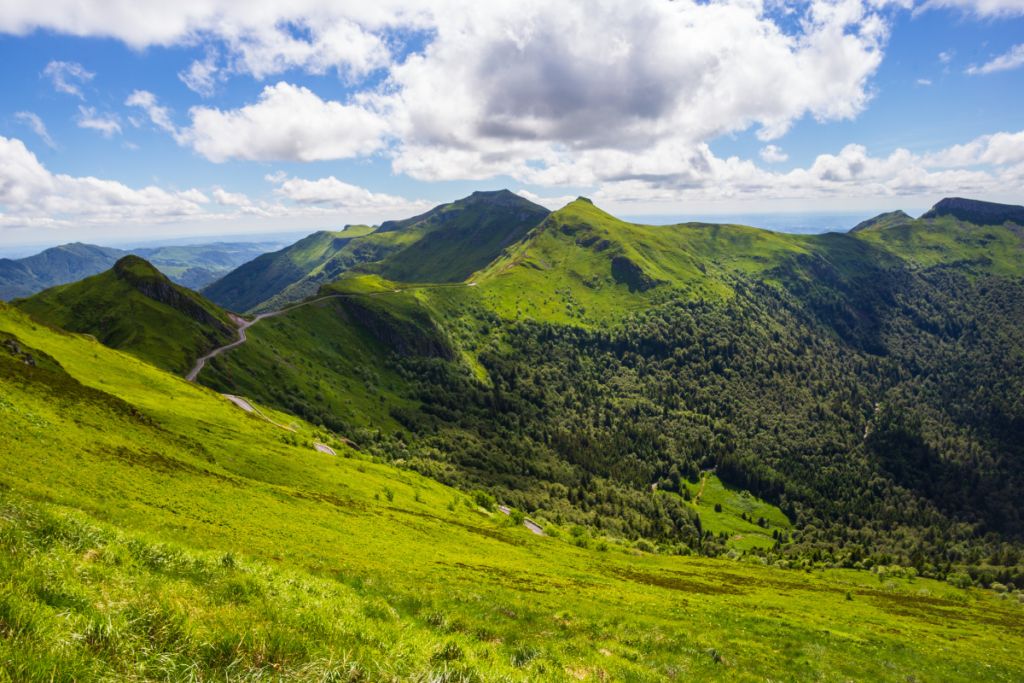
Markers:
<point>977,212</point>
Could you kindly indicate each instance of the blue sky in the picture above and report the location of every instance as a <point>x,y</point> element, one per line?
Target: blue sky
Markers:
<point>209,117</point>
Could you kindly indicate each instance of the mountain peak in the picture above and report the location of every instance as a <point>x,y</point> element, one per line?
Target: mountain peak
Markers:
<point>882,221</point>
<point>977,212</point>
<point>136,269</point>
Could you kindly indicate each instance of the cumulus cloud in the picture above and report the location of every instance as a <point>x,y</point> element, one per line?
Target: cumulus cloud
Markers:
<point>1011,60</point>
<point>36,124</point>
<point>107,124</point>
<point>773,154</point>
<point>852,173</point>
<point>63,73</point>
<point>336,193</point>
<point>230,198</point>
<point>287,123</point>
<point>923,81</point>
<point>553,203</point>
<point>32,196</point>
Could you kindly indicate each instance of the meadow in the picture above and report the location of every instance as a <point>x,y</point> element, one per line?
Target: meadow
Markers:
<point>153,531</point>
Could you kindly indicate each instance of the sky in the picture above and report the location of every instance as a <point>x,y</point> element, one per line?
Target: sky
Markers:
<point>130,120</point>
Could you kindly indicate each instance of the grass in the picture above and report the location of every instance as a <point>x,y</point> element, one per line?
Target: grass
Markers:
<point>744,534</point>
<point>111,307</point>
<point>126,488</point>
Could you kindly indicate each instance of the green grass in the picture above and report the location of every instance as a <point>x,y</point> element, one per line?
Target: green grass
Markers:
<point>146,481</point>
<point>735,503</point>
<point>112,307</point>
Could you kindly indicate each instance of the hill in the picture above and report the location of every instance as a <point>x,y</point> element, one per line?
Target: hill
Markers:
<point>595,358</point>
<point>136,308</point>
<point>56,266</point>
<point>191,266</point>
<point>883,221</point>
<point>151,526</point>
<point>460,239</point>
<point>269,274</point>
<point>977,212</point>
<point>446,244</point>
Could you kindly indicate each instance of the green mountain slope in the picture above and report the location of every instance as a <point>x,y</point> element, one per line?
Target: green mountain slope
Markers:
<point>460,239</point>
<point>446,244</point>
<point>595,358</point>
<point>150,526</point>
<point>136,308</point>
<point>56,266</point>
<point>883,221</point>
<point>269,274</point>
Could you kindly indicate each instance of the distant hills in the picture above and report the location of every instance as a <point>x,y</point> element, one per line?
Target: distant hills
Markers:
<point>193,266</point>
<point>135,308</point>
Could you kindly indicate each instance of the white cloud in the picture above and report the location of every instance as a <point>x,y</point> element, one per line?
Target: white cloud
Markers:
<point>947,56</point>
<point>61,73</point>
<point>336,193</point>
<point>36,124</point>
<point>32,196</point>
<point>287,123</point>
<point>773,154</point>
<point>107,124</point>
<point>979,8</point>
<point>999,149</point>
<point>1011,60</point>
<point>230,199</point>
<point>553,203</point>
<point>201,76</point>
<point>923,81</point>
<point>146,101</point>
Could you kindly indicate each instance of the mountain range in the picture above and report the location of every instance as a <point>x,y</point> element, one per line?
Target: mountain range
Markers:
<point>724,440</point>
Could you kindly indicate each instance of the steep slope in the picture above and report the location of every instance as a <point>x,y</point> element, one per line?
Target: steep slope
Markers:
<point>56,266</point>
<point>461,238</point>
<point>976,212</point>
<point>269,274</point>
<point>603,357</point>
<point>231,549</point>
<point>136,308</point>
<point>445,244</point>
<point>883,221</point>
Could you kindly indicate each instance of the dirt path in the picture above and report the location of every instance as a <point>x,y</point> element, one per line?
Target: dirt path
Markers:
<point>244,324</point>
<point>528,523</point>
<point>250,408</point>
<point>703,481</point>
<point>323,448</point>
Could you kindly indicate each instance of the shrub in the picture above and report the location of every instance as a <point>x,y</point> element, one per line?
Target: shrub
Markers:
<point>998,587</point>
<point>484,500</point>
<point>643,545</point>
<point>960,580</point>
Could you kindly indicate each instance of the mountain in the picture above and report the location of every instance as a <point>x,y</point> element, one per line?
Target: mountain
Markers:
<point>883,221</point>
<point>977,212</point>
<point>56,266</point>
<point>594,358</point>
<point>136,308</point>
<point>268,274</point>
<point>192,266</point>
<point>460,238</point>
<point>446,244</point>
<point>727,437</point>
<point>150,525</point>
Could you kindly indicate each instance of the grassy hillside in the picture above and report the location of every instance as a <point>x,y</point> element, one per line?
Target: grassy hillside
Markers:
<point>153,531</point>
<point>883,221</point>
<point>462,238</point>
<point>267,275</point>
<point>445,244</point>
<point>56,266</point>
<point>135,308</point>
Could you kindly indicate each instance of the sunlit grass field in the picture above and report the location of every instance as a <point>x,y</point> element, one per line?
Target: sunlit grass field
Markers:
<point>153,531</point>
